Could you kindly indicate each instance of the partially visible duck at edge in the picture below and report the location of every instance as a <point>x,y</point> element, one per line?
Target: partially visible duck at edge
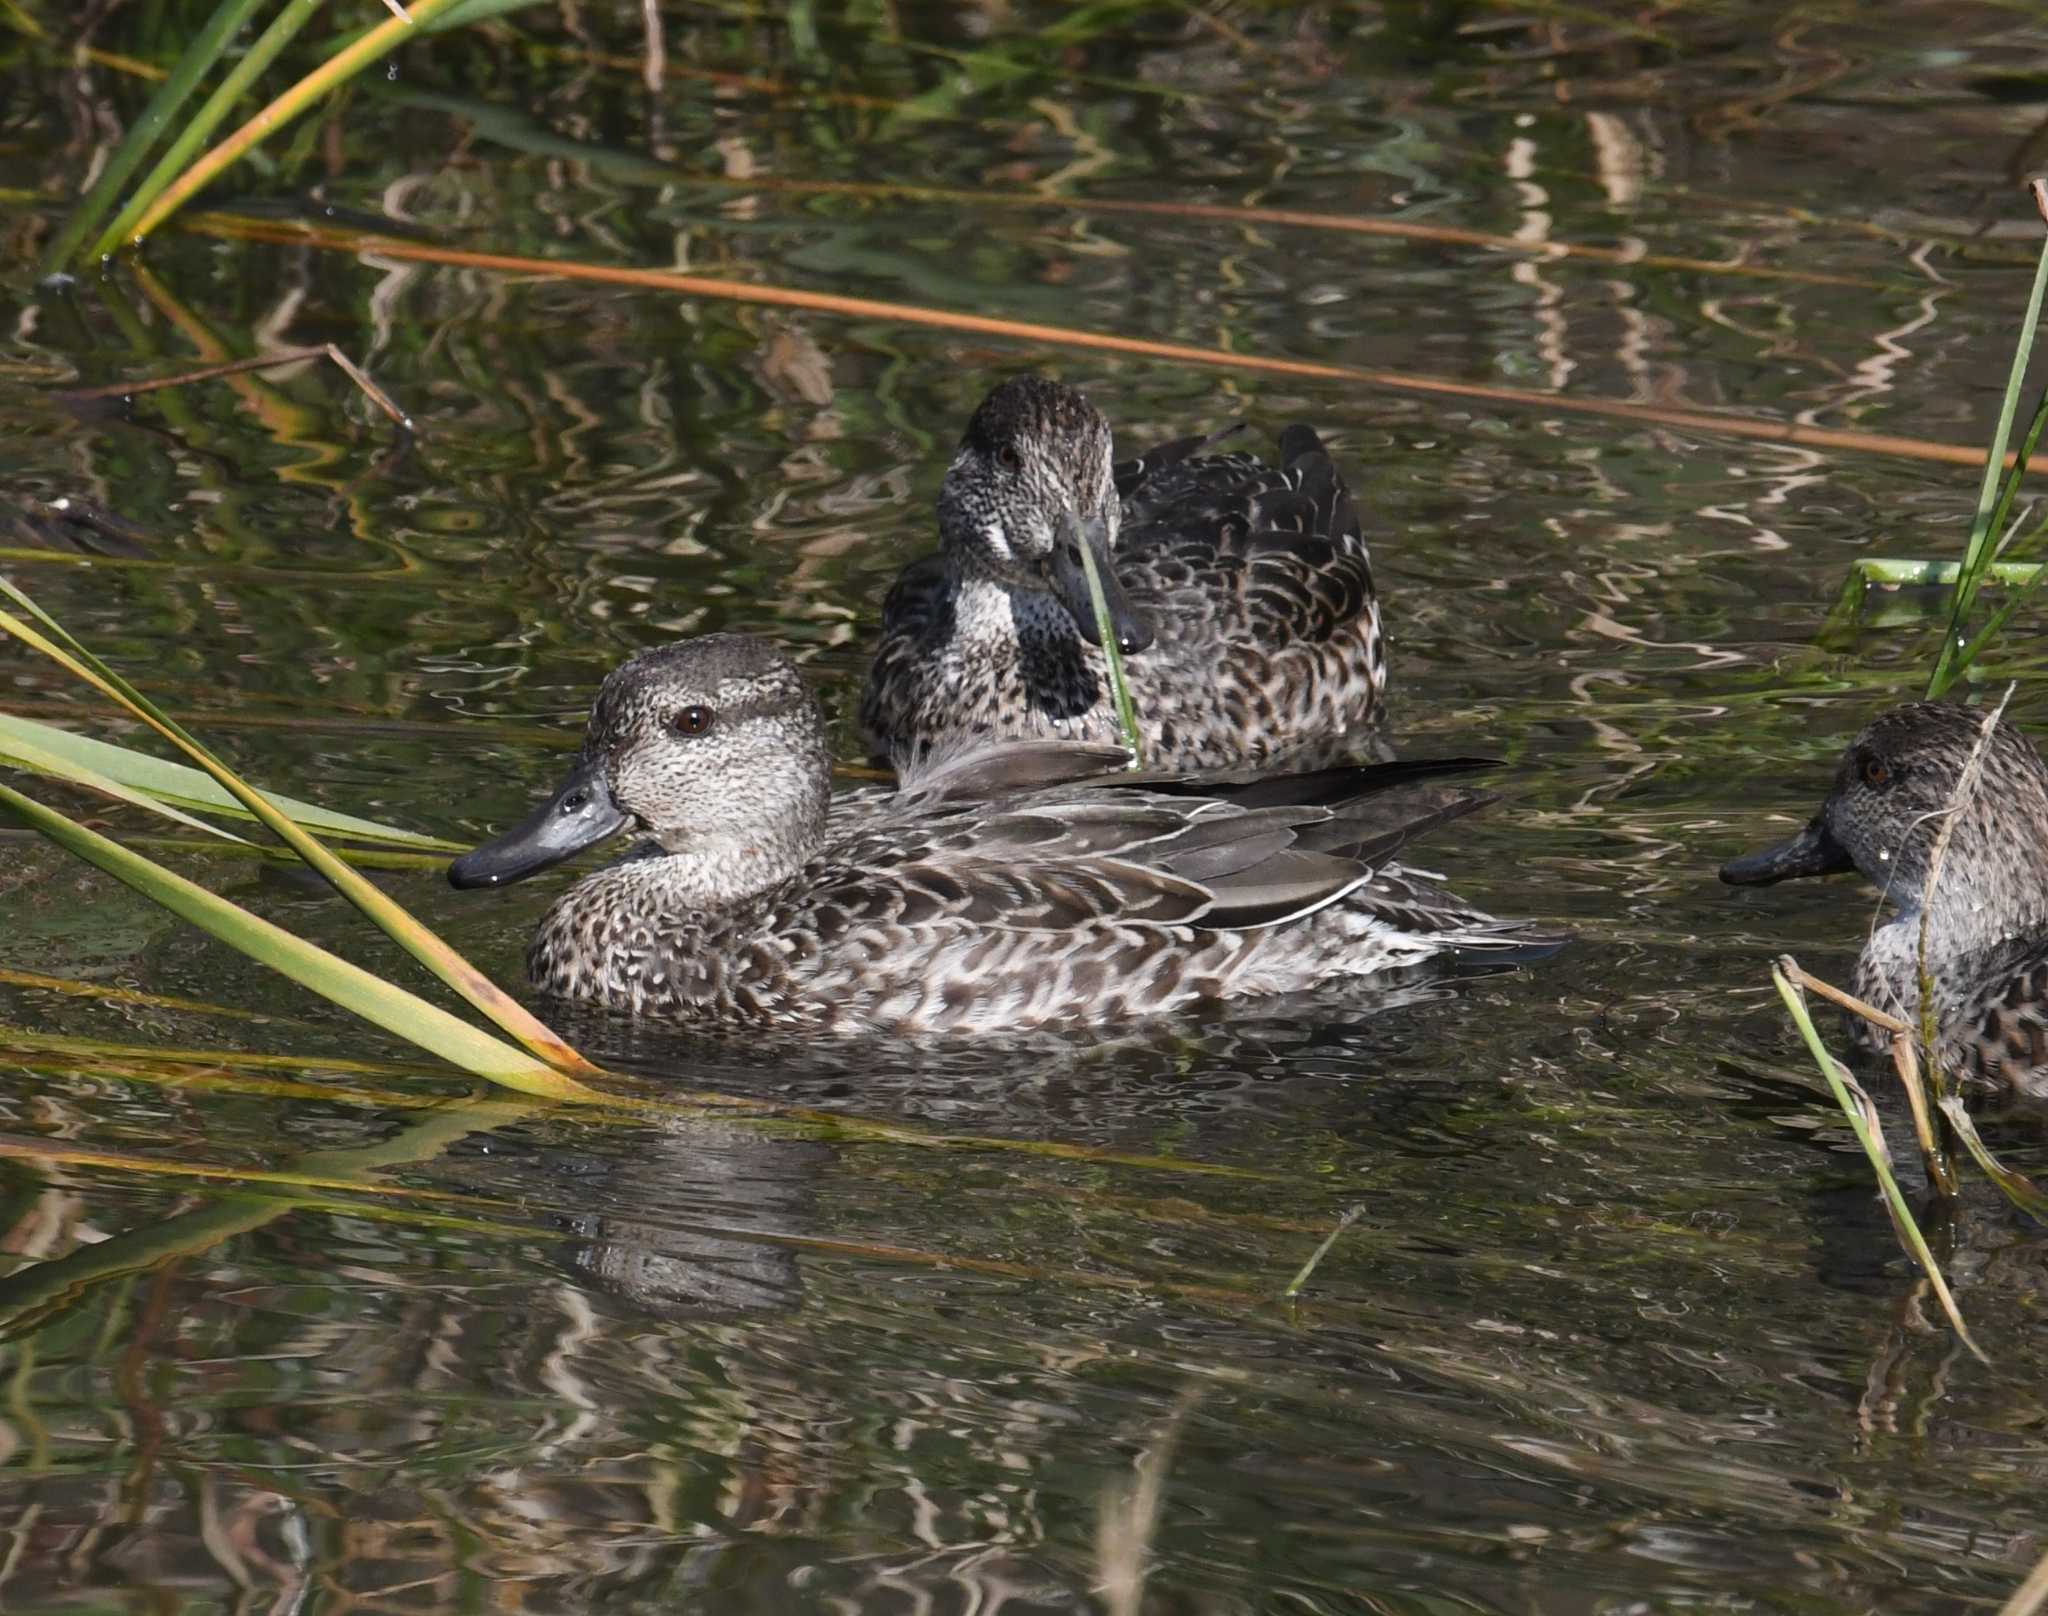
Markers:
<point>1239,591</point>
<point>1016,886</point>
<point>1986,923</point>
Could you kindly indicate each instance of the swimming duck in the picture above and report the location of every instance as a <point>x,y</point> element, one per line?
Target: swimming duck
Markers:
<point>1986,922</point>
<point>1076,894</point>
<point>1239,591</point>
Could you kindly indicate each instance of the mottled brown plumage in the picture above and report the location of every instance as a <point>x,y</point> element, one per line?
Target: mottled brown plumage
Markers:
<point>1246,586</point>
<point>1074,895</point>
<point>1985,927</point>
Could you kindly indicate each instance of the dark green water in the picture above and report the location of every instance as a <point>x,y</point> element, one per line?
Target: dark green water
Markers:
<point>1618,1326</point>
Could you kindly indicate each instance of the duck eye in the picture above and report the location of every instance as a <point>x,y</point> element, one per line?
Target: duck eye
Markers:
<point>1008,458</point>
<point>693,720</point>
<point>1876,773</point>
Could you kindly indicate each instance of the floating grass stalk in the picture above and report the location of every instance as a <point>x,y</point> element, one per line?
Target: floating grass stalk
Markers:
<point>1706,422</point>
<point>233,367</point>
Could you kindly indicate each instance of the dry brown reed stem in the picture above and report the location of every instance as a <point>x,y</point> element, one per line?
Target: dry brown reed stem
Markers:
<point>234,367</point>
<point>1435,235</point>
<point>1841,1000</point>
<point>1966,782</point>
<point>863,308</point>
<point>1932,1148</point>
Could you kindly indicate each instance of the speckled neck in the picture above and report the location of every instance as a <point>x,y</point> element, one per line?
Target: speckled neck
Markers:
<point>1026,638</point>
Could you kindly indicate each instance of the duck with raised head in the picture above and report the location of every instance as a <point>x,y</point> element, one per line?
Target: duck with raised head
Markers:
<point>1239,591</point>
<point>1017,885</point>
<point>1985,924</point>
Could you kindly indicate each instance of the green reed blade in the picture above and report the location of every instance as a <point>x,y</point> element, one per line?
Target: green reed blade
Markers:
<point>2020,595</point>
<point>1984,531</point>
<point>71,756</point>
<point>192,134</point>
<point>296,99</point>
<point>423,944</point>
<point>382,1003</point>
<point>1874,1148</point>
<point>1126,714</point>
<point>24,752</point>
<point>206,49</point>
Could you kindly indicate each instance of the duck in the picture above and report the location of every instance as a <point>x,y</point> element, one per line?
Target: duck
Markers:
<point>1016,885</point>
<point>1239,592</point>
<point>1982,932</point>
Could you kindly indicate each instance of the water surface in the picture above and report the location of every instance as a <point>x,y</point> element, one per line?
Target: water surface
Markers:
<point>1616,1325</point>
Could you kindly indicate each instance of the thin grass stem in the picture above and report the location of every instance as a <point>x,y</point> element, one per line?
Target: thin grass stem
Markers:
<point>1707,422</point>
<point>1112,657</point>
<point>1322,1250</point>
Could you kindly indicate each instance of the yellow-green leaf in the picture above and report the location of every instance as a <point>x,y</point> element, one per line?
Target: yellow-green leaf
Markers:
<point>66,755</point>
<point>350,986</point>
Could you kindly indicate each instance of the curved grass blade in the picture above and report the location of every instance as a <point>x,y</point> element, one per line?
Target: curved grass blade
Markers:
<point>335,71</point>
<point>24,752</point>
<point>386,1005</point>
<point>479,990</point>
<point>137,774</point>
<point>2017,1188</point>
<point>205,50</point>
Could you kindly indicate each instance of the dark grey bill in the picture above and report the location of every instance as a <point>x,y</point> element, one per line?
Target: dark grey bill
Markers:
<point>1070,584</point>
<point>581,814</point>
<point>1814,851</point>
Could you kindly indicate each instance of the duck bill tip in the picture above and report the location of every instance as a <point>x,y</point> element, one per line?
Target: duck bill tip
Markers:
<point>1070,585</point>
<point>1814,851</point>
<point>580,814</point>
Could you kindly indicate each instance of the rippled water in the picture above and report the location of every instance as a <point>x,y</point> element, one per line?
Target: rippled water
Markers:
<point>1617,1323</point>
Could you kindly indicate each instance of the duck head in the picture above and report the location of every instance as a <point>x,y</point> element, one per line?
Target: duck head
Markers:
<point>713,747</point>
<point>1892,793</point>
<point>1031,485</point>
